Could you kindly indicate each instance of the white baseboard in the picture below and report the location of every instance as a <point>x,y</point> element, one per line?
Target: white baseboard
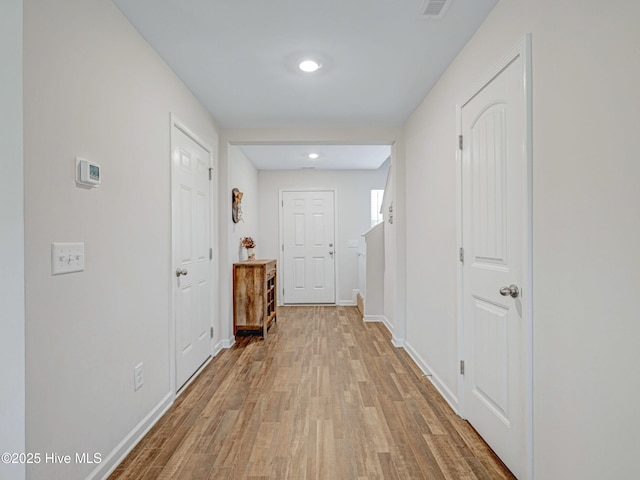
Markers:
<point>118,454</point>
<point>350,303</point>
<point>225,343</point>
<point>383,319</point>
<point>442,388</point>
<point>387,324</point>
<point>113,459</point>
<point>218,348</point>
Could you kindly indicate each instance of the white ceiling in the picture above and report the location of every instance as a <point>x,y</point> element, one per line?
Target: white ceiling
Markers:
<point>330,157</point>
<point>239,57</point>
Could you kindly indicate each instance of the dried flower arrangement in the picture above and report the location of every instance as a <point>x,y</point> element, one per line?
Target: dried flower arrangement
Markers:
<point>247,242</point>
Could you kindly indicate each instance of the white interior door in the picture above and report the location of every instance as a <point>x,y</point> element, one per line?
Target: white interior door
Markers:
<point>192,290</point>
<point>494,220</point>
<point>308,228</point>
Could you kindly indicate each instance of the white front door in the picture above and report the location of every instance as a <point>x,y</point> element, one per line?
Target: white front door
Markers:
<point>191,274</point>
<point>494,226</point>
<point>309,247</point>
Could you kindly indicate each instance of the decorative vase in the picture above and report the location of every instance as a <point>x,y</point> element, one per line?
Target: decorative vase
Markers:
<point>251,254</point>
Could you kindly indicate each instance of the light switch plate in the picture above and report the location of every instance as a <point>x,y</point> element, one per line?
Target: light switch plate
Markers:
<point>352,243</point>
<point>67,258</point>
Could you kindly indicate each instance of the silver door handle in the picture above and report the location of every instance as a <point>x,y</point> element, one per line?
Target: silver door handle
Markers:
<point>181,271</point>
<point>331,253</point>
<point>512,290</point>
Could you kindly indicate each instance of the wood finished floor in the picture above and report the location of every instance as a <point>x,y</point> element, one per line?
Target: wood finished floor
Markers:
<point>324,396</point>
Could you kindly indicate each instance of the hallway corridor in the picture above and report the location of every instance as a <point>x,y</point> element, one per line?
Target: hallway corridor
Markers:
<point>324,396</point>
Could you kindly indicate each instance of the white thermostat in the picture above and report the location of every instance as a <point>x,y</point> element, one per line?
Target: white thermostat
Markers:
<point>87,173</point>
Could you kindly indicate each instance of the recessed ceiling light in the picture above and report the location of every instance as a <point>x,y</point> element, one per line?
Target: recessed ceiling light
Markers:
<point>313,156</point>
<point>309,66</point>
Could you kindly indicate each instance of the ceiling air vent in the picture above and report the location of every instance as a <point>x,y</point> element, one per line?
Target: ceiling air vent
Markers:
<point>435,9</point>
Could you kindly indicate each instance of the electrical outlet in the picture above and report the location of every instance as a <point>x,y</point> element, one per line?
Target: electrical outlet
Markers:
<point>138,376</point>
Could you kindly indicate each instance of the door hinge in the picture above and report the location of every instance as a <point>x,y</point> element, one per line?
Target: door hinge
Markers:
<point>461,367</point>
<point>282,203</point>
<point>283,247</point>
<point>211,332</point>
<point>210,174</point>
<point>211,254</point>
<point>460,143</point>
<point>461,255</point>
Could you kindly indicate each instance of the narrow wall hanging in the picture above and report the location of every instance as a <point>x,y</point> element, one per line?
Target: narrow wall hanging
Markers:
<point>236,207</point>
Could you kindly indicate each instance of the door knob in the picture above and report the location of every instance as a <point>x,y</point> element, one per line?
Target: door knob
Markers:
<point>181,271</point>
<point>512,290</point>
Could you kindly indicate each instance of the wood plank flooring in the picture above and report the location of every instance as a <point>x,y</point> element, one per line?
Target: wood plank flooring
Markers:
<point>324,396</point>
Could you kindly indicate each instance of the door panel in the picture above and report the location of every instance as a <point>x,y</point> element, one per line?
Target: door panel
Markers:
<point>491,348</point>
<point>185,223</point>
<point>299,229</point>
<point>299,273</point>
<point>493,225</point>
<point>308,241</point>
<point>319,273</point>
<point>193,291</point>
<point>488,183</point>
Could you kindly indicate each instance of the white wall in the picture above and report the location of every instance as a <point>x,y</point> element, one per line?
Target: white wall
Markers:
<point>374,274</point>
<point>240,173</point>
<point>12,339</point>
<point>312,136</point>
<point>353,212</point>
<point>244,176</point>
<point>586,225</point>
<point>94,88</point>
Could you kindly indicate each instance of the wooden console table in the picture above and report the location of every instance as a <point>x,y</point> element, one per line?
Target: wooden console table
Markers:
<point>254,296</point>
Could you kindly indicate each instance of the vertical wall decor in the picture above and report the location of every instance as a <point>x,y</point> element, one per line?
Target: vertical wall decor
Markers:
<point>236,207</point>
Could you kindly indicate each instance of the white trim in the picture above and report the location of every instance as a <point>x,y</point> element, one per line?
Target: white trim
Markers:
<point>14,344</point>
<point>336,286</point>
<point>194,376</point>
<point>350,303</point>
<point>399,229</point>
<point>437,382</point>
<point>528,273</point>
<point>390,327</point>
<point>172,320</point>
<point>523,50</point>
<point>387,184</point>
<point>213,242</point>
<point>225,344</point>
<point>118,454</point>
<point>384,320</point>
<point>375,227</point>
<point>459,265</point>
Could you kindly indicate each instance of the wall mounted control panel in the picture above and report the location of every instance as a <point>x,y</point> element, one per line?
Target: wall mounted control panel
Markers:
<point>67,258</point>
<point>87,173</point>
